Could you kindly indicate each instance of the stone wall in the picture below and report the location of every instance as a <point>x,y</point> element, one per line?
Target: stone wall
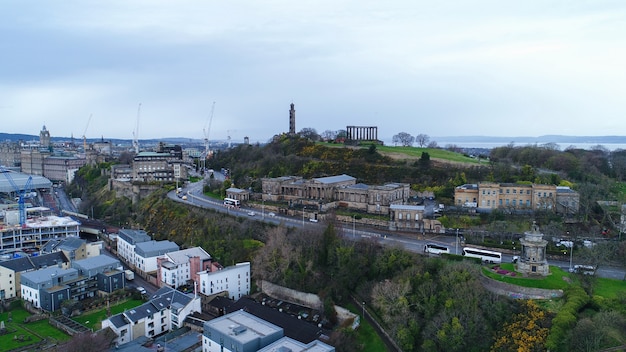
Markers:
<point>518,292</point>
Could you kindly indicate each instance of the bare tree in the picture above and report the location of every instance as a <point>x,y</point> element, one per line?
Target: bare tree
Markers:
<point>433,145</point>
<point>329,135</point>
<point>404,139</point>
<point>422,139</point>
<point>309,133</point>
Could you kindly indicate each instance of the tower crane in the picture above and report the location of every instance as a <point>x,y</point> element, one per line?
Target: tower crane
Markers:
<point>136,132</point>
<point>21,193</point>
<point>207,132</point>
<point>85,132</point>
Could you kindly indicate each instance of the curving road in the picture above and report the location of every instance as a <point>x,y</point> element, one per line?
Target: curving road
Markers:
<point>195,197</point>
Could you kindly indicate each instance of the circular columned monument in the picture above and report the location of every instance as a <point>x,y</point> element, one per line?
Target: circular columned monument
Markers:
<point>533,259</point>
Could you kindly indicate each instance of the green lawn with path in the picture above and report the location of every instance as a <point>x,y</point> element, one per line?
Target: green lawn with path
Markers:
<point>558,278</point>
<point>93,319</point>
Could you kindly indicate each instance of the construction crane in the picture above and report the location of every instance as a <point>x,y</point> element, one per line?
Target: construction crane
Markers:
<point>85,132</point>
<point>207,132</point>
<point>20,192</point>
<point>136,132</point>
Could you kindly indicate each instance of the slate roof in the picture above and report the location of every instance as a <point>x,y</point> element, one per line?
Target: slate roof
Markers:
<point>334,179</point>
<point>50,259</point>
<point>96,262</point>
<point>133,236</point>
<point>66,244</point>
<point>44,275</point>
<point>406,207</point>
<point>118,320</point>
<point>18,264</point>
<point>155,248</point>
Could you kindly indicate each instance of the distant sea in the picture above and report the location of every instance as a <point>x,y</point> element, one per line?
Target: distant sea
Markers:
<point>468,143</point>
<point>562,146</point>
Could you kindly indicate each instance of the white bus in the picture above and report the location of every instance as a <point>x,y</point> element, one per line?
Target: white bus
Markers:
<point>484,255</point>
<point>229,202</point>
<point>436,248</point>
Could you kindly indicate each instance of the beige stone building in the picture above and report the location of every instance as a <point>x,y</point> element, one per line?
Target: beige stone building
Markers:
<point>517,196</point>
<point>335,191</point>
<point>158,167</point>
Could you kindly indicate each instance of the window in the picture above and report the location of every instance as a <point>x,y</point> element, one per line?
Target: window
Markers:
<point>514,191</point>
<point>507,191</point>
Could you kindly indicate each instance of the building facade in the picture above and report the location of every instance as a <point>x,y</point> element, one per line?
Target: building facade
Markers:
<point>146,254</point>
<point>515,196</point>
<point>335,191</point>
<point>180,267</point>
<point>233,279</point>
<point>166,310</point>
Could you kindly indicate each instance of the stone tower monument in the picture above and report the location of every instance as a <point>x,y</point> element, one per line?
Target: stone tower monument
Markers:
<point>533,260</point>
<point>292,120</point>
<point>44,138</point>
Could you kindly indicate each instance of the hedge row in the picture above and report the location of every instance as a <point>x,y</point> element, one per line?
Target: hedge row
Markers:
<point>565,319</point>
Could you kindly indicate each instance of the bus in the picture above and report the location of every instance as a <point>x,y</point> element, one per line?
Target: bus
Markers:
<point>436,248</point>
<point>484,255</point>
<point>229,202</point>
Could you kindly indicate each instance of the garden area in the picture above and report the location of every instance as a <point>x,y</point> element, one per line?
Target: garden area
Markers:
<point>17,333</point>
<point>94,318</point>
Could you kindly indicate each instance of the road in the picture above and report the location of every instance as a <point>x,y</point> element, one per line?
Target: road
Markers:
<point>197,198</point>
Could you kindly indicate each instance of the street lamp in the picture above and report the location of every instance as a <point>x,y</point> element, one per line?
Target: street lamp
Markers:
<point>353,225</point>
<point>363,305</point>
<point>456,243</point>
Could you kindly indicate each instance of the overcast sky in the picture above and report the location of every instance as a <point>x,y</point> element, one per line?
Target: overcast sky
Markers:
<point>449,68</point>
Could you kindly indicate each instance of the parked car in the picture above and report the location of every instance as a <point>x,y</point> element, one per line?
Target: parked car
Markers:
<point>271,214</point>
<point>141,290</point>
<point>251,213</point>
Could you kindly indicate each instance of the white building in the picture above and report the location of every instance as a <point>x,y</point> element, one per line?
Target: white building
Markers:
<point>146,254</point>
<point>178,268</point>
<point>233,279</point>
<point>166,311</point>
<point>127,240</point>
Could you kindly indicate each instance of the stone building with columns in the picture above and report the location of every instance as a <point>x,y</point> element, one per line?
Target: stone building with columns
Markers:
<point>355,134</point>
<point>335,191</point>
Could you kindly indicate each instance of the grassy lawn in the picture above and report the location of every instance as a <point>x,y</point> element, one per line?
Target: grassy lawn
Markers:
<point>554,281</point>
<point>92,320</point>
<point>29,332</point>
<point>434,153</point>
<point>366,334</point>
<point>608,288</point>
<point>415,152</point>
